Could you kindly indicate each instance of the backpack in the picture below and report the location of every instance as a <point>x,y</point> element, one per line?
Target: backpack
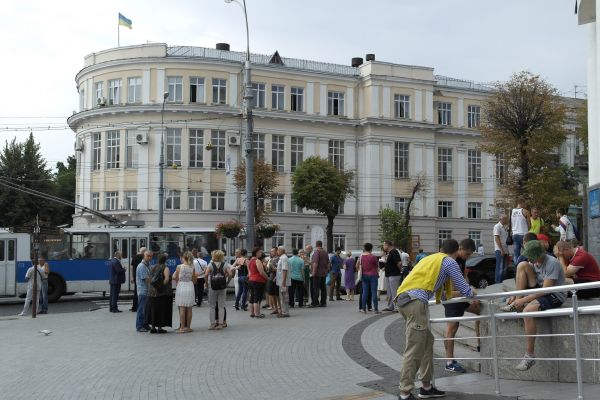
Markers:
<point>217,277</point>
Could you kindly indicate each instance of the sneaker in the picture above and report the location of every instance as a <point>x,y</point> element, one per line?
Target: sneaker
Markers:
<point>410,397</point>
<point>21,314</point>
<point>431,393</point>
<point>526,363</point>
<point>142,330</point>
<point>455,367</point>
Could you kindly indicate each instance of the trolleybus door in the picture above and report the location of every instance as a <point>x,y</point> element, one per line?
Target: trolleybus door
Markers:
<point>128,247</point>
<point>8,257</point>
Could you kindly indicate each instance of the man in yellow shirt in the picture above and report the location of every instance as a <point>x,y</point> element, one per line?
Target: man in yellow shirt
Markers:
<point>536,222</point>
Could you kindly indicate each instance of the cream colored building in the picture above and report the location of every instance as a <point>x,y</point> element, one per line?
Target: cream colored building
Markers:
<point>388,122</point>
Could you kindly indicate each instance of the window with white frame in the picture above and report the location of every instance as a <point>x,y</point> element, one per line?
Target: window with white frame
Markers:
<point>172,199</point>
<point>217,200</point>
<point>96,150</point>
<point>131,150</point>
<point>195,200</point>
<point>197,90</point>
<point>259,146</point>
<point>297,153</point>
<point>297,241</point>
<point>444,209</point>
<point>444,164</point>
<point>295,209</point>
<point>111,200</point>
<point>473,116</point>
<point>335,103</point>
<point>443,234</point>
<point>336,153</point>
<point>134,90</point>
<point>258,95</point>
<point>401,106</point>
<point>131,200</point>
<point>95,201</point>
<point>277,97</point>
<point>476,237</point>
<point>277,203</point>
<point>501,170</point>
<point>114,91</point>
<point>341,208</point>
<point>174,147</point>
<point>400,204</point>
<point>175,88</point>
<point>474,210</point>
<point>444,113</point>
<point>219,91</point>
<point>113,149</point>
<point>474,166</point>
<point>217,157</point>
<point>278,152</point>
<point>278,239</point>
<point>196,141</point>
<point>99,91</point>
<point>297,99</point>
<point>339,240</point>
<point>400,160</point>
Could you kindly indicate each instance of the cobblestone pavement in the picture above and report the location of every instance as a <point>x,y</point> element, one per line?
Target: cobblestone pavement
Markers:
<point>332,353</point>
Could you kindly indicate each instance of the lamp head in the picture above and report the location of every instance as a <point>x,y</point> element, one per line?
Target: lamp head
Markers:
<point>209,146</point>
<point>165,95</point>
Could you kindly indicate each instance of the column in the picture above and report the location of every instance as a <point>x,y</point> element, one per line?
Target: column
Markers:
<point>85,183</point>
<point>593,78</point>
<point>429,105</point>
<point>387,174</point>
<point>322,147</point>
<point>323,99</point>
<point>461,113</point>
<point>232,159</point>
<point>233,90</point>
<point>429,162</point>
<point>418,115</point>
<point>489,184</point>
<point>309,147</point>
<point>371,182</point>
<point>350,164</point>
<point>90,95</point>
<point>416,166</point>
<point>146,86</point>
<point>460,184</point>
<point>350,102</point>
<point>160,85</point>
<point>310,98</point>
<point>374,112</point>
<point>386,102</point>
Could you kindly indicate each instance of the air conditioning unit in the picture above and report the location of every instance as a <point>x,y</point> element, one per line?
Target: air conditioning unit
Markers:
<point>141,137</point>
<point>78,145</point>
<point>234,140</point>
<point>101,101</point>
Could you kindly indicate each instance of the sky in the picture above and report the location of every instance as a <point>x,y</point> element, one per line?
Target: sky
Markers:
<point>44,43</point>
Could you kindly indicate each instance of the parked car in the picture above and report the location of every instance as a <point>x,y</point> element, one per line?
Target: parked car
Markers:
<point>481,271</point>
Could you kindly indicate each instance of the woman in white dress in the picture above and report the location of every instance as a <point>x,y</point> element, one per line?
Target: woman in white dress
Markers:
<point>185,297</point>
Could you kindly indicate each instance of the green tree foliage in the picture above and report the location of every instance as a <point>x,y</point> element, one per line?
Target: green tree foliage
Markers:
<point>266,180</point>
<point>64,187</point>
<point>394,227</point>
<point>320,186</point>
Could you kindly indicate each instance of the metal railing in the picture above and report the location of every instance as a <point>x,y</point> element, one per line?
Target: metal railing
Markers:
<point>575,311</point>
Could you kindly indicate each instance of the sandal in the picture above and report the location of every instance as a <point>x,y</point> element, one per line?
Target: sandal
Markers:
<point>213,327</point>
<point>251,315</point>
<point>224,325</point>
<point>509,308</point>
<point>260,316</point>
<point>274,312</point>
<point>188,330</point>
<point>179,330</point>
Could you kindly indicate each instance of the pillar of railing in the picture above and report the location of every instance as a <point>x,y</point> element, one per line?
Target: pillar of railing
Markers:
<point>491,306</point>
<point>577,345</point>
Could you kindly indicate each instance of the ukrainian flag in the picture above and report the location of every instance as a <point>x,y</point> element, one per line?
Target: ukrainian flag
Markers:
<point>124,21</point>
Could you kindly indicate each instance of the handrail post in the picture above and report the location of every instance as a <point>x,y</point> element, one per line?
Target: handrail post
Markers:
<point>577,345</point>
<point>491,305</point>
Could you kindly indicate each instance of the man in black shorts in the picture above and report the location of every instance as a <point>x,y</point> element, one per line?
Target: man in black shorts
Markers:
<point>465,249</point>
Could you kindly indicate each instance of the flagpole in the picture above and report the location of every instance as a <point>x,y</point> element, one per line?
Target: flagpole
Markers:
<point>118,35</point>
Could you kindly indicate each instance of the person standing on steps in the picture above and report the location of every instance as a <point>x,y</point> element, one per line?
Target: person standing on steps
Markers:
<point>519,225</point>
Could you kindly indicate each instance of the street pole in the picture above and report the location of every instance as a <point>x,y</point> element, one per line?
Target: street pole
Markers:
<point>36,247</point>
<point>161,164</point>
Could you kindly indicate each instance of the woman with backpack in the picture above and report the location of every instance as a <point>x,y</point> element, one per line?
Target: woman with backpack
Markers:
<point>185,296</point>
<point>216,282</point>
<point>161,296</point>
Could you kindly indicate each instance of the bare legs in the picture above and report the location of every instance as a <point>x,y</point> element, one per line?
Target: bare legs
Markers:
<point>185,319</point>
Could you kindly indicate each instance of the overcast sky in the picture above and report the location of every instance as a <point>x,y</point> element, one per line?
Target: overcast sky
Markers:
<point>44,43</point>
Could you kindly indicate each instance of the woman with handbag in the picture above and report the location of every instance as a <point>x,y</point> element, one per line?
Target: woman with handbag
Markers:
<point>161,296</point>
<point>185,276</point>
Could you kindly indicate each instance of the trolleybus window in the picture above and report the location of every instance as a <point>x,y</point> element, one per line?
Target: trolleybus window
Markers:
<point>1,250</point>
<point>204,242</point>
<point>171,243</point>
<point>90,245</point>
<point>11,250</point>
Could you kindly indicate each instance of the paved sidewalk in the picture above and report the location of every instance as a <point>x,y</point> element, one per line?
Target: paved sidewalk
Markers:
<point>332,353</point>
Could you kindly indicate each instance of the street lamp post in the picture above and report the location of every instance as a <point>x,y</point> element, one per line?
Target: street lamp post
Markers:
<point>161,164</point>
<point>247,115</point>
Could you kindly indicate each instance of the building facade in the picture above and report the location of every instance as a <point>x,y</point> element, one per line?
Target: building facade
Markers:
<point>390,123</point>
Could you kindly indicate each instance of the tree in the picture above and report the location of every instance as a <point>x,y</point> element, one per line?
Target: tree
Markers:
<point>393,226</point>
<point>320,186</point>
<point>266,180</point>
<point>64,187</point>
<point>420,184</point>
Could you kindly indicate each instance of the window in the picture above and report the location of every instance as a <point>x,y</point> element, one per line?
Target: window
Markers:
<point>444,164</point>
<point>474,165</point>
<point>339,240</point>
<point>278,239</point>
<point>297,103</point>
<point>297,151</point>
<point>134,90</point>
<point>476,237</point>
<point>99,91</point>
<point>259,146</point>
<point>401,106</point>
<point>297,241</point>
<point>111,200</point>
<point>473,116</point>
<point>96,150</point>
<point>217,200</point>
<point>336,153</point>
<point>114,91</point>
<point>277,152</point>
<point>131,150</point>
<point>444,113</point>
<point>400,204</point>
<point>335,103</point>
<point>258,95</point>
<point>219,91</point>
<point>400,160</point>
<point>277,203</point>
<point>196,148</point>
<point>501,170</point>
<point>172,199</point>
<point>112,149</point>
<point>474,210</point>
<point>197,90</point>
<point>194,200</point>
<point>174,147</point>
<point>445,209</point>
<point>175,87</point>
<point>341,208</point>
<point>277,97</point>
<point>443,235</point>
<point>217,157</point>
<point>95,201</point>
<point>131,200</point>
<point>295,209</point>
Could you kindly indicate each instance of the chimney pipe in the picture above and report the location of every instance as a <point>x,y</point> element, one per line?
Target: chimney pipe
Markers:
<point>222,46</point>
<point>357,61</point>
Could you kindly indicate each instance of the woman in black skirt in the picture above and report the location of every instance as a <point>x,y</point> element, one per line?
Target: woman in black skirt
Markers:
<point>161,296</point>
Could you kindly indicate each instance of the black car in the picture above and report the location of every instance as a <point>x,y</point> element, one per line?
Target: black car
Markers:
<point>481,271</point>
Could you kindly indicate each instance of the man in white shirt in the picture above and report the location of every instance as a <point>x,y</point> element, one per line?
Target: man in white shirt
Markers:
<point>30,277</point>
<point>500,247</point>
<point>200,269</point>
<point>519,225</point>
<point>565,227</point>
<point>284,280</point>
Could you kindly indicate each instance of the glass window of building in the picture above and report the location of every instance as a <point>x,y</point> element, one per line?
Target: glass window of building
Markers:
<point>172,199</point>
<point>473,116</point>
<point>295,209</point>
<point>297,99</point>
<point>476,237</point>
<point>444,164</point>
<point>95,201</point>
<point>400,160</point>
<point>474,166</point>
<point>336,153</point>
<point>131,151</point>
<point>195,200</point>
<point>278,152</point>
<point>217,139</point>
<point>134,90</point>
<point>259,146</point>
<point>258,95</point>
<point>444,113</point>
<point>298,241</point>
<point>113,149</point>
<point>99,92</point>
<point>96,150</point>
<point>219,91</point>
<point>175,88</point>
<point>217,201</point>
<point>277,97</point>
<point>197,90</point>
<point>444,209</point>
<point>277,203</point>
<point>339,240</point>
<point>131,200</point>
<point>335,103</point>
<point>114,91</point>
<point>196,148</point>
<point>111,201</point>
<point>401,106</point>
<point>474,210</point>
<point>443,234</point>
<point>501,170</point>
<point>297,153</point>
<point>173,147</point>
<point>400,204</point>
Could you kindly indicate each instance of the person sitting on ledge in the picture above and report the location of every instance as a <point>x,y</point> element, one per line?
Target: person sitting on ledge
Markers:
<point>579,267</point>
<point>547,273</point>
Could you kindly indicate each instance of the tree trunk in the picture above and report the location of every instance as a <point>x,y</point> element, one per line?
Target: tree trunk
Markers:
<point>524,164</point>
<point>329,232</point>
